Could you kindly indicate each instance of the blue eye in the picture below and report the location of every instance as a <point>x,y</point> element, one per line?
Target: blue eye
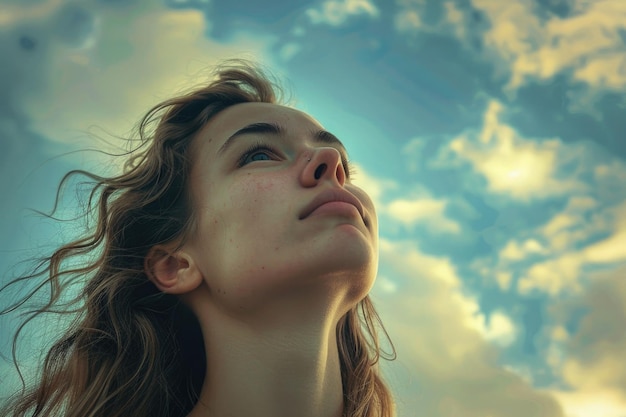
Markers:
<point>261,152</point>
<point>253,156</point>
<point>253,153</point>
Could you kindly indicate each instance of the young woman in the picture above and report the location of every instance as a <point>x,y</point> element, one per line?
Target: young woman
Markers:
<point>229,273</point>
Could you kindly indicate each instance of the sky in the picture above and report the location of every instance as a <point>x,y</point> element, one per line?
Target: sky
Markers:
<point>490,135</point>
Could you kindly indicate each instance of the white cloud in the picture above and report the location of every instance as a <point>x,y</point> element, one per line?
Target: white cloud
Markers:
<point>613,170</point>
<point>553,275</point>
<point>568,249</point>
<point>455,19</point>
<point>408,21</point>
<point>504,279</point>
<point>568,234</point>
<point>140,56</point>
<point>519,168</point>
<point>289,50</point>
<point>445,347</point>
<point>591,359</point>
<point>612,248</point>
<point>576,223</point>
<point>408,18</point>
<point>373,186</point>
<point>515,251</point>
<point>426,210</point>
<point>587,42</point>
<point>604,403</point>
<point>385,284</point>
<point>412,150</point>
<point>524,372</point>
<point>586,46</point>
<point>337,12</point>
<point>589,231</point>
<point>500,329</point>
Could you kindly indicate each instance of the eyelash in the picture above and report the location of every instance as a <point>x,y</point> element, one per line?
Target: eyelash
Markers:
<point>259,146</point>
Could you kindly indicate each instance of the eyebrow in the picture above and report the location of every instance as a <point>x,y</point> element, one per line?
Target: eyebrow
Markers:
<point>263,128</point>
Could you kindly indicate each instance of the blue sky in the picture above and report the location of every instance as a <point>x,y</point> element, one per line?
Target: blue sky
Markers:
<point>490,134</point>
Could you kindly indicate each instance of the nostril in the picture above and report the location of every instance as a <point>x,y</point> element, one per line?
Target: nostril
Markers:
<point>320,171</point>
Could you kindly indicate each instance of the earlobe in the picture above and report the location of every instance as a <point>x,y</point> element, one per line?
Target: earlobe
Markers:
<point>171,272</point>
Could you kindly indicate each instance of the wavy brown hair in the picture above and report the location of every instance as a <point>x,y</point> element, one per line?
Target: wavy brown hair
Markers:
<point>133,350</point>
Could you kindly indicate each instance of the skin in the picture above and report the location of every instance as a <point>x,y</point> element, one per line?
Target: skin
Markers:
<point>269,288</point>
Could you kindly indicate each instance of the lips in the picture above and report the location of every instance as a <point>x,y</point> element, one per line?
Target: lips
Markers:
<point>330,195</point>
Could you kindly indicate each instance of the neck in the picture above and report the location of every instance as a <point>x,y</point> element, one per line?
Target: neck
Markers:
<point>289,369</point>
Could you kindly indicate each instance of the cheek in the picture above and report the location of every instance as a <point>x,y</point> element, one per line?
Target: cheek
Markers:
<point>247,205</point>
<point>259,193</point>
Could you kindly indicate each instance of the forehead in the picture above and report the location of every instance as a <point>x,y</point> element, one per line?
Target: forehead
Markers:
<point>233,118</point>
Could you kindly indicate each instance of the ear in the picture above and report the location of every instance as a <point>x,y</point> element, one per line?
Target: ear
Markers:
<point>172,272</point>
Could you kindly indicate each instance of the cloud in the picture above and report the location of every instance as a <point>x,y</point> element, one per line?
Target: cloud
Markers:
<point>498,328</point>
<point>592,361</point>
<point>526,43</point>
<point>587,46</point>
<point>129,59</point>
<point>410,18</point>
<point>337,12</point>
<point>570,250</point>
<point>613,247</point>
<point>554,255</point>
<point>289,50</point>
<point>591,404</point>
<point>447,351</point>
<point>426,210</point>
<point>513,166</point>
<point>515,251</point>
<point>373,186</point>
<point>408,21</point>
<point>553,276</point>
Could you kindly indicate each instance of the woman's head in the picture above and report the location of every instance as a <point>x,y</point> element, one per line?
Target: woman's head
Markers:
<point>258,172</point>
<point>204,212</point>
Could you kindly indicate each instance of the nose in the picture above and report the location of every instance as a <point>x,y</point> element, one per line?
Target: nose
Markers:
<point>325,165</point>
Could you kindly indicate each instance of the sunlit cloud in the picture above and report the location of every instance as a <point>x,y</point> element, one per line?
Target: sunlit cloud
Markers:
<point>447,344</point>
<point>374,186</point>
<point>427,211</point>
<point>587,46</point>
<point>289,50</point>
<point>160,51</point>
<point>513,166</point>
<point>337,12</point>
<point>552,257</point>
<point>591,357</point>
<point>553,275</point>
<point>543,215</point>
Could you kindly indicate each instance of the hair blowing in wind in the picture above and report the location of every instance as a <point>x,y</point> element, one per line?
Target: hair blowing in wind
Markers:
<point>133,350</point>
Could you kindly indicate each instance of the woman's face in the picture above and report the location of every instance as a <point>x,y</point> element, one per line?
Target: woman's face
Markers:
<point>254,192</point>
